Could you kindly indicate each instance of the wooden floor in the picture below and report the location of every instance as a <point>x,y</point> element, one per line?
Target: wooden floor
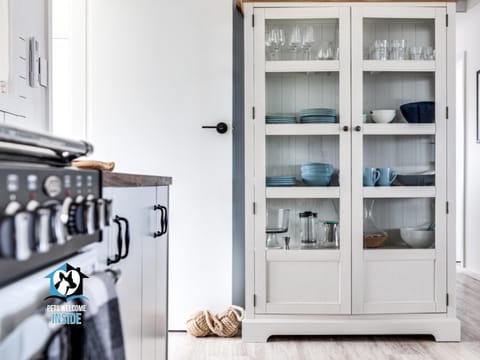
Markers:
<point>183,346</point>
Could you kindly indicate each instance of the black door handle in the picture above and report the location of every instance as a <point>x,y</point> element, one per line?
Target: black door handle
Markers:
<point>126,237</point>
<point>221,127</point>
<point>345,128</point>
<point>358,128</point>
<point>163,220</point>
<point>118,255</point>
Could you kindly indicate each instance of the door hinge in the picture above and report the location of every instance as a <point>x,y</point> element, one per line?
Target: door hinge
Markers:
<point>254,300</point>
<point>446,207</point>
<point>253,20</point>
<point>254,208</point>
<point>446,20</point>
<point>446,112</point>
<point>447,300</point>
<point>253,112</point>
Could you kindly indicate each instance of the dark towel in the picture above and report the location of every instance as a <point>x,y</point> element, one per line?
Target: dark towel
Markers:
<point>102,326</point>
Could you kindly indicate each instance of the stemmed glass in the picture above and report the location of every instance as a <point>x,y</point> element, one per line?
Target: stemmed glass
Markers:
<point>275,41</point>
<point>307,42</point>
<point>295,41</point>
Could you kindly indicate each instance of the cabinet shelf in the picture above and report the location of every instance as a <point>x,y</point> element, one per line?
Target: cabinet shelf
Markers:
<point>399,192</point>
<point>399,129</point>
<point>302,66</point>
<point>399,65</point>
<point>302,129</point>
<point>398,254</point>
<point>303,255</point>
<point>303,192</point>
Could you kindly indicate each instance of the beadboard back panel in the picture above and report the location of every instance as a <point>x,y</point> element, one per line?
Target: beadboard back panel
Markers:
<point>289,93</point>
<point>389,90</point>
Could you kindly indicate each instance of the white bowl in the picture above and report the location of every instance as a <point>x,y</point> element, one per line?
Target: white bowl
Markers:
<point>418,238</point>
<point>383,116</point>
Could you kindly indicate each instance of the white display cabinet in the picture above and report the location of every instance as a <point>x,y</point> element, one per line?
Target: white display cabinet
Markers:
<point>302,56</point>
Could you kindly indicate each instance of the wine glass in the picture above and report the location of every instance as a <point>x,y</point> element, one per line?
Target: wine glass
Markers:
<point>307,41</point>
<point>275,41</point>
<point>295,41</point>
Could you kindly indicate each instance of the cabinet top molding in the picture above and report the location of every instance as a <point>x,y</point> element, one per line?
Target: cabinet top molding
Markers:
<point>240,3</point>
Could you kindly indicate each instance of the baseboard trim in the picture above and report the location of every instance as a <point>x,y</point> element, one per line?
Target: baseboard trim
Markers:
<point>259,330</point>
<point>472,274</point>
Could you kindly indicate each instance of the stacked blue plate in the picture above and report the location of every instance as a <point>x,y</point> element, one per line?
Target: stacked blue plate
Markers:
<point>280,119</point>
<point>318,115</point>
<point>281,180</point>
<point>317,174</point>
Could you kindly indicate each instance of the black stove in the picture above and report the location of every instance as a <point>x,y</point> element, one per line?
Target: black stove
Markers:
<point>48,210</point>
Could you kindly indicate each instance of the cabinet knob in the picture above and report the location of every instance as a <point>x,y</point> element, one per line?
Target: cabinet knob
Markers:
<point>345,128</point>
<point>358,128</point>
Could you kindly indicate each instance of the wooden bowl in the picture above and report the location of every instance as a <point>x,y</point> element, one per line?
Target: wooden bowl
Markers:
<point>374,240</point>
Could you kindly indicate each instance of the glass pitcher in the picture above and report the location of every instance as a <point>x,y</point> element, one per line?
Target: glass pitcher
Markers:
<point>373,236</point>
<point>277,223</point>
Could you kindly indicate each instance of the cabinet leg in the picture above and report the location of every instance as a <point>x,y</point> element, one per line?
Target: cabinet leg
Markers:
<point>448,333</point>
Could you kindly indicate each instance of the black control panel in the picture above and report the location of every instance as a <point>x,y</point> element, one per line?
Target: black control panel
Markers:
<point>47,214</point>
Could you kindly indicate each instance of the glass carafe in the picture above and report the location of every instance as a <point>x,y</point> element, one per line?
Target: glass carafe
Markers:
<point>373,236</point>
<point>277,223</point>
<point>307,228</point>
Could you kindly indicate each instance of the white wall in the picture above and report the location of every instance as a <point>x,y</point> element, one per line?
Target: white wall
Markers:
<point>468,29</point>
<point>69,68</point>
<point>157,71</point>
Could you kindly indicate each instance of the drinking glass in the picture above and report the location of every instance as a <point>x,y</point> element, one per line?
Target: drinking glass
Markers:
<point>307,42</point>
<point>326,51</point>
<point>416,52</point>
<point>381,50</point>
<point>397,50</point>
<point>428,53</point>
<point>295,41</point>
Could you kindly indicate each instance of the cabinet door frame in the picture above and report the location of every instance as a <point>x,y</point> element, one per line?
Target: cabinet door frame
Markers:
<point>359,256</point>
<point>343,256</point>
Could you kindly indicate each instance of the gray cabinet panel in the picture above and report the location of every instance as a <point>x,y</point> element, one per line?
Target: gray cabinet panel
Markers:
<point>142,289</point>
<point>162,282</point>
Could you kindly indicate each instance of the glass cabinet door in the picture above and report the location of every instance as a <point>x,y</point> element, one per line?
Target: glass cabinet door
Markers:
<point>302,160</point>
<point>398,160</point>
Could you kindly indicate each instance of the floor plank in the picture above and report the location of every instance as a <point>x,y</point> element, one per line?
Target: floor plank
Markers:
<point>185,347</point>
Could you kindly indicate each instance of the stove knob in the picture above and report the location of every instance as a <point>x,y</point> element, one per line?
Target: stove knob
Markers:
<point>108,211</point>
<point>91,215</point>
<point>7,230</point>
<point>76,219</point>
<point>43,230</point>
<point>7,241</point>
<point>24,234</point>
<point>58,228</point>
<point>52,186</point>
<point>101,214</point>
<point>65,211</point>
<point>32,207</point>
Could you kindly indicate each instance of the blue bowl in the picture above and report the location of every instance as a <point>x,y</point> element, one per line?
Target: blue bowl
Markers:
<point>316,173</point>
<point>316,165</point>
<point>316,180</point>
<point>422,112</point>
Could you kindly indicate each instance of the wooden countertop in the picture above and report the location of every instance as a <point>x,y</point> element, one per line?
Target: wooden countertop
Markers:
<point>114,179</point>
